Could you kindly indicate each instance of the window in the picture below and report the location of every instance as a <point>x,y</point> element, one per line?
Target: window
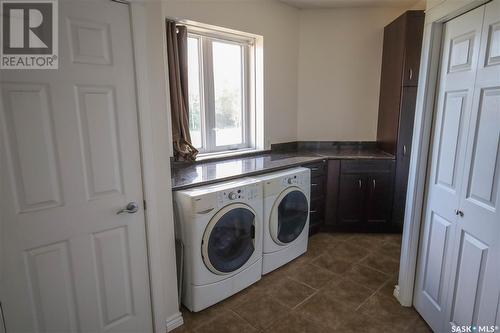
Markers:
<point>220,114</point>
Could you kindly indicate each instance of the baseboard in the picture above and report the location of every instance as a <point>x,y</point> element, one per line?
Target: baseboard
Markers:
<point>174,321</point>
<point>396,293</point>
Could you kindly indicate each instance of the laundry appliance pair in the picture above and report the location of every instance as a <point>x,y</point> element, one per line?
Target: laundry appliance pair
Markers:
<point>236,231</point>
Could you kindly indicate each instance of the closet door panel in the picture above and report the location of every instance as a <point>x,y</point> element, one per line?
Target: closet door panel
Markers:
<point>480,197</point>
<point>453,109</point>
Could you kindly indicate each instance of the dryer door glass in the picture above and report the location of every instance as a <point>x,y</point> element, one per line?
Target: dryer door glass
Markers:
<point>293,211</point>
<point>231,242</point>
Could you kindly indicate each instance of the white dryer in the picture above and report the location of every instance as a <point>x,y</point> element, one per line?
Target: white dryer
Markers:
<point>221,228</point>
<point>286,216</point>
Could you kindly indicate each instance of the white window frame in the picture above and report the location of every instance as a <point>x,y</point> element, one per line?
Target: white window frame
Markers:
<point>207,93</point>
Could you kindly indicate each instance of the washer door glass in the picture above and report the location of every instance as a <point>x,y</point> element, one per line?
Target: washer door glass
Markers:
<point>231,240</point>
<point>293,211</point>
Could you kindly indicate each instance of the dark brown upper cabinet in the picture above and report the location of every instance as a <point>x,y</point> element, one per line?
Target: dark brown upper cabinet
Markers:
<point>398,92</point>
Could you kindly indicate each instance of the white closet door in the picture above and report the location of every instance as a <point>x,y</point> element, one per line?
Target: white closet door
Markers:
<point>458,280</point>
<point>474,286</point>
<point>70,160</point>
<point>456,88</point>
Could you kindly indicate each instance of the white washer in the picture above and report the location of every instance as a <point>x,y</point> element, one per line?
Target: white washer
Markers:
<point>221,228</point>
<point>286,216</point>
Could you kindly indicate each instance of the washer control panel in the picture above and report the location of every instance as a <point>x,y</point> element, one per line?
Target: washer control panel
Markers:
<point>293,180</point>
<point>248,192</point>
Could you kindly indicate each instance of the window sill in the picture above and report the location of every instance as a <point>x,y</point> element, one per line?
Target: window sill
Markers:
<point>228,154</point>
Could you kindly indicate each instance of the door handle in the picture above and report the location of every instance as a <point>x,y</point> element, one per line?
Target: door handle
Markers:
<point>130,208</point>
<point>459,213</point>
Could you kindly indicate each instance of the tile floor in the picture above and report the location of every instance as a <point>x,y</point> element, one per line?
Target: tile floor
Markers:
<point>344,283</point>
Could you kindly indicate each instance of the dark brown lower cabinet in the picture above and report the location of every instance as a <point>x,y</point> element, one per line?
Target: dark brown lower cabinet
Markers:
<point>359,195</point>
<point>379,198</point>
<point>351,199</point>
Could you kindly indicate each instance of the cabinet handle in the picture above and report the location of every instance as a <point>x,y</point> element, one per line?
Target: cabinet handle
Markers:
<point>404,150</point>
<point>314,169</point>
<point>411,73</point>
<point>313,184</point>
<point>2,318</point>
<point>374,183</point>
<point>360,183</point>
<point>313,211</point>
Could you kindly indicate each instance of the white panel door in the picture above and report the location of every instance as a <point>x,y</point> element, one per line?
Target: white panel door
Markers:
<point>475,288</point>
<point>458,279</point>
<point>454,104</point>
<point>72,160</point>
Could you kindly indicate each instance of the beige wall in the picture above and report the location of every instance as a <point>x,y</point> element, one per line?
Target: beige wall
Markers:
<point>321,66</point>
<point>277,23</point>
<point>339,72</point>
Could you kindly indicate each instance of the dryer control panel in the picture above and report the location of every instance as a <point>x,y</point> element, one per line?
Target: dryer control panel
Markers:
<point>245,193</point>
<point>294,180</point>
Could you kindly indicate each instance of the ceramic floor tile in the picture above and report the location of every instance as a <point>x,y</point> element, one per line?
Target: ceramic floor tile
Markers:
<point>289,292</point>
<point>228,322</point>
<point>261,312</point>
<point>343,236</point>
<point>419,326</point>
<point>339,285</point>
<point>367,277</point>
<point>349,251</point>
<point>392,238</point>
<point>389,310</point>
<point>321,243</point>
<point>181,329</point>
<point>391,250</point>
<point>356,323</point>
<point>193,320</point>
<point>275,276</point>
<point>332,263</point>
<point>381,263</point>
<point>297,323</point>
<point>367,241</point>
<point>387,289</point>
<point>311,275</point>
<point>324,310</point>
<point>256,290</point>
<point>347,292</point>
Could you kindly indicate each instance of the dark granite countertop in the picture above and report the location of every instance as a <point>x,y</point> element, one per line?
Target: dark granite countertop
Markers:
<point>202,173</point>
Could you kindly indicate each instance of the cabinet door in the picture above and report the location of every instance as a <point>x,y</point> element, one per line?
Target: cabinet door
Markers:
<point>318,187</point>
<point>316,212</point>
<point>413,46</point>
<point>379,201</point>
<point>332,192</point>
<point>351,198</point>
<point>403,153</point>
<point>390,85</point>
